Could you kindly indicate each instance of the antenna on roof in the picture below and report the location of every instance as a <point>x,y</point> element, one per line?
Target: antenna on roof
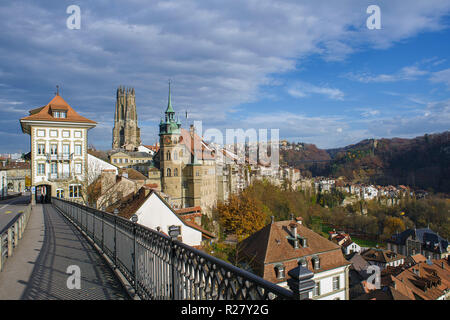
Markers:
<point>57,90</point>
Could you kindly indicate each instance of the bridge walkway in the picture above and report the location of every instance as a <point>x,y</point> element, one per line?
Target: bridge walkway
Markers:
<point>37,269</point>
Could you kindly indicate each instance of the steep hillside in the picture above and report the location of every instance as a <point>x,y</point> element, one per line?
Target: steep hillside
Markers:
<point>421,162</point>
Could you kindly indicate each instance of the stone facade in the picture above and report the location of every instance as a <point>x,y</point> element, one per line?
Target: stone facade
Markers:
<point>126,133</point>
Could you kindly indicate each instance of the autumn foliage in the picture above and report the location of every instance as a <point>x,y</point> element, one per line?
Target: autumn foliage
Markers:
<point>241,215</point>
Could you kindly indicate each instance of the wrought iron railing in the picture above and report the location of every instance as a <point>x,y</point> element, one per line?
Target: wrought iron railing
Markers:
<point>160,268</point>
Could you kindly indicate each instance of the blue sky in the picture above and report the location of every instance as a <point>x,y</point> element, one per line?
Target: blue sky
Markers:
<point>309,68</point>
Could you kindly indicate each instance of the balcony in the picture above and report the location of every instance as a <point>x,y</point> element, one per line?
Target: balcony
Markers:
<point>59,176</point>
<point>59,156</point>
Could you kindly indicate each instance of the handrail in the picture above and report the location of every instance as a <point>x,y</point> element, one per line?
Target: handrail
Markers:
<point>159,267</point>
<point>12,233</point>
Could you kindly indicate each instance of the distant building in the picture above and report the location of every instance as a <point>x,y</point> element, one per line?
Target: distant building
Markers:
<point>3,184</point>
<point>126,134</point>
<point>425,280</point>
<point>383,258</point>
<point>19,176</point>
<point>423,241</point>
<point>280,246</point>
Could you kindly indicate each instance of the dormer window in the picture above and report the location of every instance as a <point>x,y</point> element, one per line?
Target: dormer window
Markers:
<point>281,271</point>
<point>59,114</point>
<point>316,263</point>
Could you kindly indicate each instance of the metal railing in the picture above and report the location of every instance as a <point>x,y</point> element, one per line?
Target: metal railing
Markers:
<point>59,156</point>
<point>12,233</point>
<point>160,268</point>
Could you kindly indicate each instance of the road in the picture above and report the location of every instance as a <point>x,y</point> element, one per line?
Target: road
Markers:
<point>10,208</point>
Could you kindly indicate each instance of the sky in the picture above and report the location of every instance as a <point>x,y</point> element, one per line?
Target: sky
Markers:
<point>312,69</point>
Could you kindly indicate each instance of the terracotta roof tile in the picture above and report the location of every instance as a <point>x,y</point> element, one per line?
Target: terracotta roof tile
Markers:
<point>57,103</point>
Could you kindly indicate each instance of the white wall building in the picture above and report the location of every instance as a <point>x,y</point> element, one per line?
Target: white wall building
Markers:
<point>58,148</point>
<point>3,184</point>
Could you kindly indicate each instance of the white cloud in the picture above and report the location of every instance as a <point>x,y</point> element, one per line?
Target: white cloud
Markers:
<point>302,90</point>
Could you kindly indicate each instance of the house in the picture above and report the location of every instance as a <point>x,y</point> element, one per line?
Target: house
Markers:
<point>18,176</point>
<point>59,140</point>
<point>424,241</point>
<point>3,184</point>
<point>154,212</point>
<point>280,246</point>
<point>96,166</point>
<point>426,280</point>
<point>383,258</point>
<point>349,247</point>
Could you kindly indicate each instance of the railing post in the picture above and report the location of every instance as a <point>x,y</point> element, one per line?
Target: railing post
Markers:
<point>16,233</point>
<point>103,230</point>
<point>174,232</point>
<point>1,251</point>
<point>116,212</point>
<point>134,218</point>
<point>10,239</point>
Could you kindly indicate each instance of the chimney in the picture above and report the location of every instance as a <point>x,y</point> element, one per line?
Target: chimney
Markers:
<point>293,227</point>
<point>442,265</point>
<point>272,219</point>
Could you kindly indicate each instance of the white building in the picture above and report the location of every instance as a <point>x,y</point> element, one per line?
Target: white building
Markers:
<point>96,166</point>
<point>3,184</point>
<point>59,157</point>
<point>154,212</point>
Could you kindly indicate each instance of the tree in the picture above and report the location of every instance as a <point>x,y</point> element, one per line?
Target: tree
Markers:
<point>392,225</point>
<point>241,216</point>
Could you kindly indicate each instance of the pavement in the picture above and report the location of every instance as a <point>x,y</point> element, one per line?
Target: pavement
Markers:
<point>10,208</point>
<point>38,269</point>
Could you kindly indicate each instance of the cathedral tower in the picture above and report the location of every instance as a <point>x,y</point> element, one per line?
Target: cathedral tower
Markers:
<point>126,133</point>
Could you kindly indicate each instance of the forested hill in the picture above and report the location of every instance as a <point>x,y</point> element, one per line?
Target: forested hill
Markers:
<point>422,162</point>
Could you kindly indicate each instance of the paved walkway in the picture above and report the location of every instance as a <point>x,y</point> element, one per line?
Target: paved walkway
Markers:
<point>37,269</point>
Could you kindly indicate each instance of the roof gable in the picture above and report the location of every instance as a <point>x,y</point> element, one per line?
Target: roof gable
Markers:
<point>56,104</point>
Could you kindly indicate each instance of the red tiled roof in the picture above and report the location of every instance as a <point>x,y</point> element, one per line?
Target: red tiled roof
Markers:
<point>57,103</point>
<point>270,245</point>
<point>189,210</point>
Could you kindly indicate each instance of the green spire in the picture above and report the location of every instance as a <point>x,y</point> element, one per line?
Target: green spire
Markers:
<point>169,104</point>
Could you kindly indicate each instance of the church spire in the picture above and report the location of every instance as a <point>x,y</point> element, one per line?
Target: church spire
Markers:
<point>169,103</point>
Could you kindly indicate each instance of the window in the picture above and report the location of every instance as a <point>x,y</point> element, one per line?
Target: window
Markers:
<point>41,148</point>
<point>175,172</point>
<point>41,133</point>
<point>66,149</point>
<point>197,173</point>
<point>336,284</point>
<point>78,167</point>
<point>41,168</point>
<point>316,290</point>
<point>114,160</point>
<point>77,134</point>
<point>74,191</point>
<point>66,134</point>
<point>53,149</point>
<point>53,133</point>
<point>168,155</point>
<point>60,193</point>
<point>78,149</point>
<point>63,114</point>
<point>54,168</point>
<point>169,172</point>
